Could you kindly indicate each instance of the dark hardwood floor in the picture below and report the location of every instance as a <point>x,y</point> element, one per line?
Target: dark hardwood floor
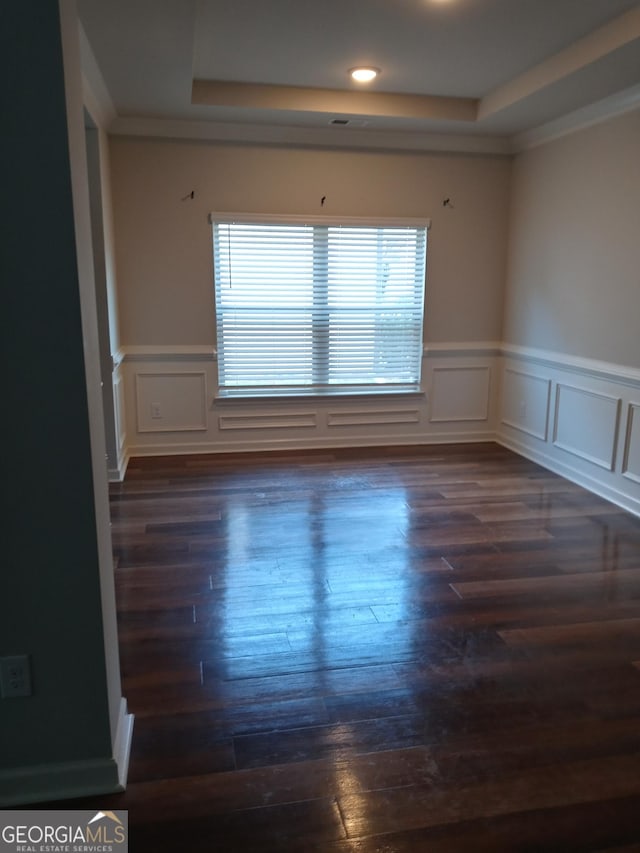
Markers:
<point>431,649</point>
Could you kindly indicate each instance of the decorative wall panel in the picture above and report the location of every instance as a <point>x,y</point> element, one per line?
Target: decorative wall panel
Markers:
<point>631,463</point>
<point>460,394</point>
<point>586,424</point>
<point>275,420</point>
<point>368,417</point>
<point>525,402</point>
<point>171,402</point>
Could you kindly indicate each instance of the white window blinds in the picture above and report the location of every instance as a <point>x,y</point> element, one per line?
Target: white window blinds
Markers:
<point>324,306</point>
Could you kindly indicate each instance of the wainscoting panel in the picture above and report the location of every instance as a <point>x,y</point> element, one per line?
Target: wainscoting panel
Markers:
<point>586,424</point>
<point>525,402</point>
<point>587,439</point>
<point>361,417</point>
<point>168,404</point>
<point>460,393</point>
<point>171,402</point>
<point>275,420</point>
<point>172,406</point>
<point>631,463</point>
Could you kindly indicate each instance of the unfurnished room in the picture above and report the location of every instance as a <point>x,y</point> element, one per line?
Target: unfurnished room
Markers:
<point>322,426</point>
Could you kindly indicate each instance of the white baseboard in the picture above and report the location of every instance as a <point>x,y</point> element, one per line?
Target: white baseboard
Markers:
<point>122,745</point>
<point>117,475</point>
<point>597,487</point>
<point>263,445</point>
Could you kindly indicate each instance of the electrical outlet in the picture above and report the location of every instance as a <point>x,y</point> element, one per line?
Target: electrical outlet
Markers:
<point>156,411</point>
<point>15,676</point>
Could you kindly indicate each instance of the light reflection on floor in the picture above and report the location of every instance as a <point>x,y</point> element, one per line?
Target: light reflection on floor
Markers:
<point>311,573</point>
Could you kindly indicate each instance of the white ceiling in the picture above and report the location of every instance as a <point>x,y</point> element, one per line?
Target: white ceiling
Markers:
<point>468,68</point>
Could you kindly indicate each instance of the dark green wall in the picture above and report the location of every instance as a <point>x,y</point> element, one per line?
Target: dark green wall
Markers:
<point>49,589</point>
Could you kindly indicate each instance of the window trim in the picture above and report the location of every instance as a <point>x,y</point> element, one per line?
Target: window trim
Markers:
<point>347,221</point>
<point>359,392</point>
<point>310,392</point>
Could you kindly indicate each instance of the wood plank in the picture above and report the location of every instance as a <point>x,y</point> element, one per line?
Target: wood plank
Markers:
<point>397,649</point>
<point>380,812</point>
<point>577,634</point>
<point>624,581</point>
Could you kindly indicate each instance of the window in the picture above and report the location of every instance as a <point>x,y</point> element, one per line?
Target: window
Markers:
<point>318,306</point>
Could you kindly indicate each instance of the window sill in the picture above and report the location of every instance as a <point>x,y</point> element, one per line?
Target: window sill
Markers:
<point>272,395</point>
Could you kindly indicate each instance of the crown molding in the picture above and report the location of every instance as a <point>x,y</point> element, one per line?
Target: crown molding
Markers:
<point>585,52</point>
<point>360,139</point>
<point>318,137</point>
<point>597,113</point>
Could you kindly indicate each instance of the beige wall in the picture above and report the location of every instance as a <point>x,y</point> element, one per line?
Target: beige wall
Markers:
<point>164,244</point>
<point>574,256</point>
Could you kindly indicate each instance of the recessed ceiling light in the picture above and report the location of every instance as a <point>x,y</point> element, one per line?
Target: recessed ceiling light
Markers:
<point>364,74</point>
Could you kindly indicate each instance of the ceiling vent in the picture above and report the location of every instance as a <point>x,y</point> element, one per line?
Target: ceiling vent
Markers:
<point>352,122</point>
